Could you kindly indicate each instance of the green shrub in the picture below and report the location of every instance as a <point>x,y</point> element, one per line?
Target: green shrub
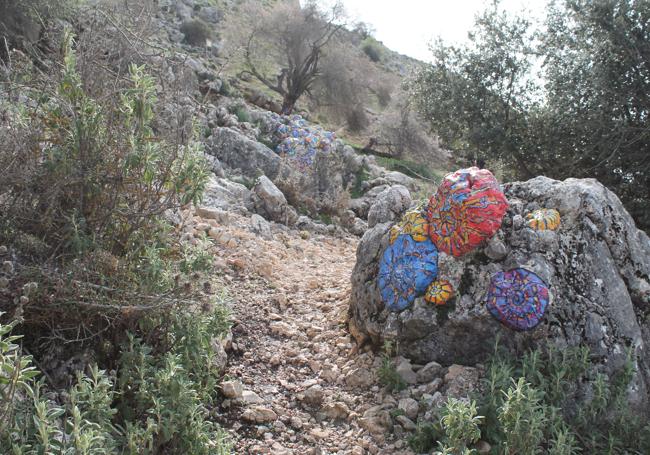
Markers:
<point>372,49</point>
<point>356,118</point>
<point>388,375</point>
<point>196,32</point>
<point>523,419</point>
<point>103,177</point>
<point>461,425</point>
<point>157,402</point>
<point>241,112</point>
<point>533,405</point>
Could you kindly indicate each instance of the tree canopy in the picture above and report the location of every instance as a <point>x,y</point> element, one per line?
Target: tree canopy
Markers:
<point>569,98</point>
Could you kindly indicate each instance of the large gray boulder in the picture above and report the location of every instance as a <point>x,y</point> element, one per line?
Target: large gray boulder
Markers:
<point>236,151</point>
<point>227,195</point>
<point>597,266</point>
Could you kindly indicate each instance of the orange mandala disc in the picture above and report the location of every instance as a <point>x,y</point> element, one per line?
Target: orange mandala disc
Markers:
<point>439,292</point>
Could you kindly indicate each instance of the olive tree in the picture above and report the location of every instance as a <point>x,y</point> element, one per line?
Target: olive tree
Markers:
<point>284,45</point>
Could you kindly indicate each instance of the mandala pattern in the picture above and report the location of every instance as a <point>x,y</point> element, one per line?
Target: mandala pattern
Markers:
<point>466,211</point>
<point>439,292</point>
<point>406,269</point>
<point>414,224</point>
<point>517,298</point>
<point>544,219</point>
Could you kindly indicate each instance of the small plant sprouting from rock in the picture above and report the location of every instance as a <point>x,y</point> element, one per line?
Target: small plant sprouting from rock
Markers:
<point>388,374</point>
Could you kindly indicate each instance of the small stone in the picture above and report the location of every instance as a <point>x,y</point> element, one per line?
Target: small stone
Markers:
<point>4,282</point>
<point>295,423</point>
<point>496,249</point>
<point>378,423</point>
<point>429,372</point>
<point>250,397</point>
<point>203,227</point>
<point>359,377</point>
<point>210,213</point>
<point>406,423</point>
<point>314,395</point>
<point>8,267</point>
<point>259,414</point>
<point>24,300</point>
<point>405,371</point>
<point>336,411</point>
<point>3,250</point>
<point>410,407</point>
<point>232,389</point>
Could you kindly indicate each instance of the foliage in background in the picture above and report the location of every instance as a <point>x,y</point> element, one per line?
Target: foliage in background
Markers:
<point>534,405</point>
<point>585,115</point>
<point>372,48</point>
<point>196,32</point>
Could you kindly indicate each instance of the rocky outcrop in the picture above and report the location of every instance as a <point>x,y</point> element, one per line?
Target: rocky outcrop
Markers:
<point>250,157</point>
<point>389,205</point>
<point>597,267</point>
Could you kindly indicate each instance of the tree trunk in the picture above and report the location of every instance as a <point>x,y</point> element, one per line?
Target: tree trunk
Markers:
<point>288,104</point>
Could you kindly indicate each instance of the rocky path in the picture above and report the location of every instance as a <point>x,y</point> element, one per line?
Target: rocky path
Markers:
<point>295,383</point>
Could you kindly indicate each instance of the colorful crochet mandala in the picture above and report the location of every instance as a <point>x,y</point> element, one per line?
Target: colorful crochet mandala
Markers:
<point>414,224</point>
<point>517,298</point>
<point>406,269</point>
<point>543,219</point>
<point>298,141</point>
<point>439,292</point>
<point>466,211</point>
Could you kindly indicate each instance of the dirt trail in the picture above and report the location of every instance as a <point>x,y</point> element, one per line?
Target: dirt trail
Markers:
<point>306,389</point>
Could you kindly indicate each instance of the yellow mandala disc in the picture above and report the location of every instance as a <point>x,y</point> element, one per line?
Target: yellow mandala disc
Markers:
<point>543,219</point>
<point>412,223</point>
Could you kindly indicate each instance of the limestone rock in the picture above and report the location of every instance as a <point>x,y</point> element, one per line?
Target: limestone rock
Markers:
<point>239,152</point>
<point>410,407</point>
<point>250,397</point>
<point>227,195</point>
<point>429,372</point>
<point>397,178</point>
<point>314,395</point>
<point>360,377</point>
<point>261,227</point>
<point>336,411</point>
<point>259,414</point>
<point>389,206</point>
<point>405,371</point>
<point>271,203</point>
<point>596,265</point>
<point>232,389</point>
<point>406,423</point>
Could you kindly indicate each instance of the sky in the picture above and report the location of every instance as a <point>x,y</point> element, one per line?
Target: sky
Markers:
<point>407,26</point>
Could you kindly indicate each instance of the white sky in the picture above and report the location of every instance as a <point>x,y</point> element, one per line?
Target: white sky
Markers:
<point>407,26</point>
